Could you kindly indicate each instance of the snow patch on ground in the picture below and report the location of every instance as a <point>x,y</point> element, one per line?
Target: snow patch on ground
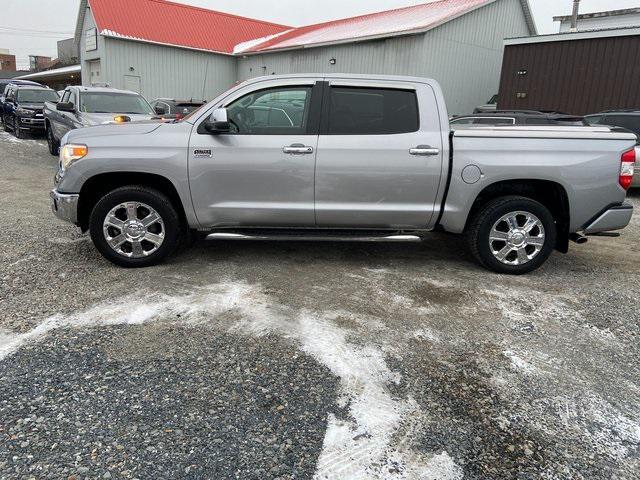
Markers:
<point>520,364</point>
<point>28,258</point>
<point>610,431</point>
<point>69,241</point>
<point>367,445</point>
<point>426,334</point>
<point>11,138</point>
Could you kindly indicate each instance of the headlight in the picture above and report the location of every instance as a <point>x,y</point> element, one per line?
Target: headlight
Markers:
<point>72,153</point>
<point>23,112</point>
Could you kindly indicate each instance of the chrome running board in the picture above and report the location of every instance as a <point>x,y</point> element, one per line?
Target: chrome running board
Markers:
<point>314,238</point>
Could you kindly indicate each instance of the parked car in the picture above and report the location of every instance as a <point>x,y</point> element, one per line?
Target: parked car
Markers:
<point>170,109</point>
<point>365,158</point>
<point>24,106</point>
<point>627,119</point>
<point>4,83</point>
<point>490,106</point>
<point>515,117</point>
<point>90,106</point>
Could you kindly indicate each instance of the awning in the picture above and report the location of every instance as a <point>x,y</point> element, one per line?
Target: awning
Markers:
<point>63,72</point>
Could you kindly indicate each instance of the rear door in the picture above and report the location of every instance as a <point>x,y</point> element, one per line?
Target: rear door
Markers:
<point>262,173</point>
<point>379,155</point>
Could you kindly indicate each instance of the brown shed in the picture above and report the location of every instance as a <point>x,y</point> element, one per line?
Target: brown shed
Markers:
<point>577,73</point>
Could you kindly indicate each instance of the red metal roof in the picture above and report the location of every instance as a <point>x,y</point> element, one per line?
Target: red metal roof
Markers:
<point>169,23</point>
<point>416,18</point>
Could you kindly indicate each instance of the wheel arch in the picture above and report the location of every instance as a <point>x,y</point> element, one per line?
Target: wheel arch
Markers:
<point>549,193</point>
<point>99,185</point>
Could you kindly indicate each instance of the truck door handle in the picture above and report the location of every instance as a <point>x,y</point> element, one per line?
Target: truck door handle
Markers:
<point>424,150</point>
<point>298,149</point>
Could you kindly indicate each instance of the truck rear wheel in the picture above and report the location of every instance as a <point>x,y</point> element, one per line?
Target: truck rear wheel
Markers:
<point>135,227</point>
<point>512,235</point>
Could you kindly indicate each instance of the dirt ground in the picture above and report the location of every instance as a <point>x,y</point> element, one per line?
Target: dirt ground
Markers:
<point>309,360</point>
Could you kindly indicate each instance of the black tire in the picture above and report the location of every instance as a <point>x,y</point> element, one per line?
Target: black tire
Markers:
<point>5,125</point>
<point>479,230</point>
<point>52,143</point>
<point>172,229</point>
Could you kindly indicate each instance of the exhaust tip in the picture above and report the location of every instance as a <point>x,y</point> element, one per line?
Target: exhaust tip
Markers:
<point>577,238</point>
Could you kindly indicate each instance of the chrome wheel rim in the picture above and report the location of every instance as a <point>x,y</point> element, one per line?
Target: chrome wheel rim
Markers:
<point>134,230</point>
<point>517,238</point>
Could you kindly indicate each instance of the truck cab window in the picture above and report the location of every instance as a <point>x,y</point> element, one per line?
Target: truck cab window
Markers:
<point>372,111</point>
<point>278,111</point>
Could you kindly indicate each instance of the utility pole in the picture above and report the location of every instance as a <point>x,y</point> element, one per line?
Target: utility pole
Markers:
<point>574,16</point>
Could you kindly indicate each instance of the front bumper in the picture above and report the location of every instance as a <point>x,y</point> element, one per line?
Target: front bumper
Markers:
<point>614,218</point>
<point>30,123</point>
<point>65,206</point>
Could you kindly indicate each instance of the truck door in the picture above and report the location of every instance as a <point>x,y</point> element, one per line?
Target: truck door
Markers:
<point>379,157</point>
<point>262,172</point>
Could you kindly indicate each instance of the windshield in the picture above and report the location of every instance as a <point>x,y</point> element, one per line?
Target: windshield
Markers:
<point>107,102</point>
<point>36,96</point>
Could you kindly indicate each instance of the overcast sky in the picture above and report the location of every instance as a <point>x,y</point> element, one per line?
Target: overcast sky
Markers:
<point>33,26</point>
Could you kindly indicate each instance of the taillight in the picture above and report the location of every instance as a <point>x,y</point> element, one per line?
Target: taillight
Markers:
<point>627,168</point>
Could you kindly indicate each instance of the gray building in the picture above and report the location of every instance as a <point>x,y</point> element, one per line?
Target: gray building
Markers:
<point>629,17</point>
<point>457,42</point>
<point>67,52</point>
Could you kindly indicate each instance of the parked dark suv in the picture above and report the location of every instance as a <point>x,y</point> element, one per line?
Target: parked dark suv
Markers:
<point>4,84</point>
<point>23,108</point>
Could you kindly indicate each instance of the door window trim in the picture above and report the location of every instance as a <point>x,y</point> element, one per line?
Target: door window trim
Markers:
<point>313,118</point>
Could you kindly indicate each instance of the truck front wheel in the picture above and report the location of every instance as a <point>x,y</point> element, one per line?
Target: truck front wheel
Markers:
<point>513,235</point>
<point>52,143</point>
<point>135,227</point>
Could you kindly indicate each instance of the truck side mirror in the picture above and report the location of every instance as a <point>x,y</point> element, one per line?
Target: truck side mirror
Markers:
<point>218,123</point>
<point>160,110</point>
<point>66,107</point>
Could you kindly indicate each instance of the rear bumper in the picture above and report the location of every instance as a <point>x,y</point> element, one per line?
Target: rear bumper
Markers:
<point>65,206</point>
<point>614,218</point>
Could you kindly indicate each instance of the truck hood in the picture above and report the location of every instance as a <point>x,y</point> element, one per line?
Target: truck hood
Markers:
<point>102,118</point>
<point>137,128</point>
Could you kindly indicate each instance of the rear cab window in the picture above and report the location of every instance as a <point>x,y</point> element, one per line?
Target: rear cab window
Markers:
<point>372,111</point>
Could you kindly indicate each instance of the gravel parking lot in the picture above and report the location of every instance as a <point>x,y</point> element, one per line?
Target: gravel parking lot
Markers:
<point>308,360</point>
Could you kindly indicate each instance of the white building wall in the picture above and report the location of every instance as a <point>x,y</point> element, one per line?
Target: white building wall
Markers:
<point>168,72</point>
<point>86,58</point>
<point>464,55</point>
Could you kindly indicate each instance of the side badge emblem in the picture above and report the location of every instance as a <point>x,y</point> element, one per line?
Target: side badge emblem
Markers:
<point>202,153</point>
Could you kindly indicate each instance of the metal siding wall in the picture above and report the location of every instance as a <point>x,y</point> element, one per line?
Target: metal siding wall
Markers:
<point>168,71</point>
<point>85,56</point>
<point>464,55</point>
<point>577,76</point>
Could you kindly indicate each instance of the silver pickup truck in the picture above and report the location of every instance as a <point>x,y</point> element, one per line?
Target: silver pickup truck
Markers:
<point>81,107</point>
<point>342,157</point>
